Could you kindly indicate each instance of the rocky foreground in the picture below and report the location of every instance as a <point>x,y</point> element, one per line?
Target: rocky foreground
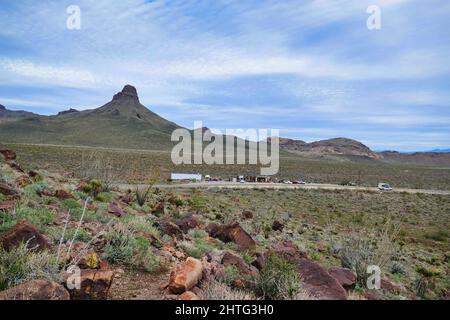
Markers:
<point>145,244</point>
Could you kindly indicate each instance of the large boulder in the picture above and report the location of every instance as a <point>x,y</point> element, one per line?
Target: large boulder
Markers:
<point>288,251</point>
<point>318,282</point>
<point>25,233</point>
<point>345,277</point>
<point>188,296</point>
<point>94,285</point>
<point>188,222</point>
<point>186,276</point>
<point>232,232</point>
<point>8,154</point>
<point>36,290</point>
<point>231,259</point>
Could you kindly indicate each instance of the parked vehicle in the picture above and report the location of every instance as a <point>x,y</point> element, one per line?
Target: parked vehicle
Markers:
<point>299,182</point>
<point>384,187</point>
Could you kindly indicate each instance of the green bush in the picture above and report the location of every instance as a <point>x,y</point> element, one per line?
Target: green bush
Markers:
<point>21,265</point>
<point>278,280</point>
<point>39,217</point>
<point>124,247</point>
<point>197,248</point>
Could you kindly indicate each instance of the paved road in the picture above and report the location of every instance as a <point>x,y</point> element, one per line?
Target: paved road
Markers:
<point>235,185</point>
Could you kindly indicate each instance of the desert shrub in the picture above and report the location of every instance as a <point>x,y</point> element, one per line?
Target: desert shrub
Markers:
<point>231,273</point>
<point>197,248</point>
<point>39,217</point>
<point>198,233</point>
<point>278,280</point>
<point>142,194</point>
<point>21,265</point>
<point>215,290</point>
<point>140,224</point>
<point>359,253</point>
<point>124,247</point>
<point>2,197</point>
<point>439,235</point>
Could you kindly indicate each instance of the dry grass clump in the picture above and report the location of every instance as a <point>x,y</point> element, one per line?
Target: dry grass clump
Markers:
<point>214,290</point>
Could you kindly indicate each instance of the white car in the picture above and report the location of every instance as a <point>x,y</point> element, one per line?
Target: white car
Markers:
<point>384,187</point>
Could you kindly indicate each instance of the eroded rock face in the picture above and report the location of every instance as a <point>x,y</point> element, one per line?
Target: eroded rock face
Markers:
<point>232,232</point>
<point>25,233</point>
<point>186,276</point>
<point>188,222</point>
<point>9,155</point>
<point>345,277</point>
<point>36,290</point>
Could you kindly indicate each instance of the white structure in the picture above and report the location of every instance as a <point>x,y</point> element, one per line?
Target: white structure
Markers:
<point>384,187</point>
<point>185,177</point>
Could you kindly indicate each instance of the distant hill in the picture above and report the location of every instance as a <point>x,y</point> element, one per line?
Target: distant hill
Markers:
<point>441,150</point>
<point>121,123</point>
<point>337,146</point>
<point>422,158</point>
<point>7,115</point>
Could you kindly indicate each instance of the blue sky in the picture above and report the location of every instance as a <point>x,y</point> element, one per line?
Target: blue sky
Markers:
<point>309,68</point>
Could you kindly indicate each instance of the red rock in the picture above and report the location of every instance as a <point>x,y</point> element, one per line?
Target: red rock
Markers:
<point>36,290</point>
<point>238,284</point>
<point>277,226</point>
<point>8,190</point>
<point>23,181</point>
<point>390,287</point>
<point>186,276</point>
<point>45,193</point>
<point>187,223</point>
<point>231,259</point>
<point>169,228</point>
<point>16,167</point>
<point>95,284</point>
<point>159,208</point>
<point>232,232</point>
<point>188,296</point>
<point>8,154</point>
<point>115,209</point>
<point>247,214</point>
<point>318,282</point>
<point>260,261</point>
<point>8,205</point>
<point>127,198</point>
<point>288,251</point>
<point>373,295</point>
<point>63,194</point>
<point>345,277</point>
<point>25,233</point>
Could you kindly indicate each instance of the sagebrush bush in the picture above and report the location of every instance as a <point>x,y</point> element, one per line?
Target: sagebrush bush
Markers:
<point>197,248</point>
<point>278,280</point>
<point>215,290</point>
<point>21,265</point>
<point>127,248</point>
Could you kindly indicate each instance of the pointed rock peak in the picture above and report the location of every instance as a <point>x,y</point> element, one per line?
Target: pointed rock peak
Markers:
<point>2,108</point>
<point>128,92</point>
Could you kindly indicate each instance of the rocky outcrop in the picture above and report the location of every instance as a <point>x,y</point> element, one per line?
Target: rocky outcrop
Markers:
<point>169,228</point>
<point>36,290</point>
<point>24,233</point>
<point>232,232</point>
<point>186,276</point>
